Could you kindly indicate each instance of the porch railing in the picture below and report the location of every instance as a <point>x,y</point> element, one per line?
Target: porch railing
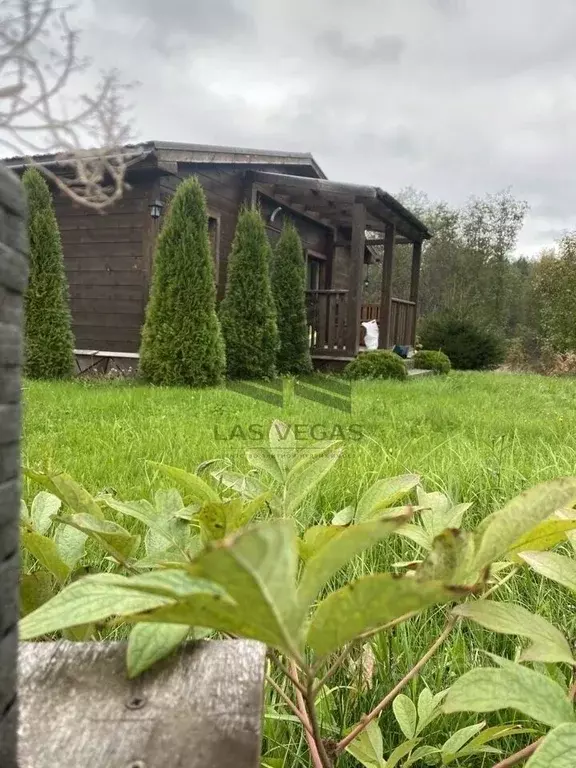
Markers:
<point>327,321</point>
<point>402,320</point>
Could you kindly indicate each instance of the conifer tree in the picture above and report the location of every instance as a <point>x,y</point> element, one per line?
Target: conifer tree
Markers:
<point>289,289</point>
<point>181,339</point>
<point>247,312</point>
<point>49,342</point>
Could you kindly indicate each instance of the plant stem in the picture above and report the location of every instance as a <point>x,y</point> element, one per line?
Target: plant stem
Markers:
<point>501,583</point>
<point>389,698</point>
<point>300,714</point>
<point>518,757</point>
<point>294,680</point>
<point>312,733</point>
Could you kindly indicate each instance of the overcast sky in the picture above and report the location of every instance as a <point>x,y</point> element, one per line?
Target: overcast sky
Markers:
<point>453,97</point>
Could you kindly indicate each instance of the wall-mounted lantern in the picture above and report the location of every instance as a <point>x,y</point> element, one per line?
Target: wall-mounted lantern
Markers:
<point>156,209</point>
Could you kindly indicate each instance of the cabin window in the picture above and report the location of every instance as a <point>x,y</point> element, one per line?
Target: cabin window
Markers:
<point>214,235</point>
<point>316,273</point>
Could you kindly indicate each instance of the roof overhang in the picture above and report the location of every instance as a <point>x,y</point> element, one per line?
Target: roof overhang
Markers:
<point>332,202</point>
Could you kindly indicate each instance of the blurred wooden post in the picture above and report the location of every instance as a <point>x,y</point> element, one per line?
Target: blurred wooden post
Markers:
<point>357,249</point>
<point>415,287</point>
<point>13,277</point>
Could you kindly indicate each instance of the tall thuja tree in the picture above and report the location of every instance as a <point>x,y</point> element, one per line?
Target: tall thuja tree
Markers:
<point>48,329</point>
<point>247,311</point>
<point>181,340</point>
<point>289,289</point>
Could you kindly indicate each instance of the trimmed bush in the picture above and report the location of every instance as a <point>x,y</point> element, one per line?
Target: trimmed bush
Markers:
<point>247,312</point>
<point>49,342</point>
<point>430,360</point>
<point>377,364</point>
<point>181,340</point>
<point>468,347</point>
<point>289,290</point>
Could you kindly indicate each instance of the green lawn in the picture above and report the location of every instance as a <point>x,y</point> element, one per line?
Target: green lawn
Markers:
<point>480,437</point>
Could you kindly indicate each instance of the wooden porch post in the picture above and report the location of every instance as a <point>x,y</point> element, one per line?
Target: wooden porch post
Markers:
<point>386,295</point>
<point>356,277</point>
<point>415,285</point>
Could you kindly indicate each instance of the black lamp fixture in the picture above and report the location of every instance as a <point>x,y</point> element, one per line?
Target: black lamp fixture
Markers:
<point>156,209</point>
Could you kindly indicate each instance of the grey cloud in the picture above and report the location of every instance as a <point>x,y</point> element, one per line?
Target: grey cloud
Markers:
<point>384,49</point>
<point>455,97</point>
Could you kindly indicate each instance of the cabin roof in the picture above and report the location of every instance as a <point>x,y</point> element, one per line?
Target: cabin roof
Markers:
<point>171,151</point>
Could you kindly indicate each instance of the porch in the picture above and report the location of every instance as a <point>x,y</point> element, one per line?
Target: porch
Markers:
<point>360,224</point>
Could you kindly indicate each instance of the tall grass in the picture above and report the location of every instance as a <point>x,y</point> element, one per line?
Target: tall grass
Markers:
<point>478,437</point>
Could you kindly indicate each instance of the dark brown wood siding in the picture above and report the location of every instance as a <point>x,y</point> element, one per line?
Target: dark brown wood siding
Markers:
<point>104,261</point>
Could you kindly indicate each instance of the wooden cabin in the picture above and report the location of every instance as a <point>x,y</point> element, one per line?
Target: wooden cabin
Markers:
<point>109,257</point>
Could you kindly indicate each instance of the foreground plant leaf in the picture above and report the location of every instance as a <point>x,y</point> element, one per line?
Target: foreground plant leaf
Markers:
<point>70,545</point>
<point>44,550</point>
<point>368,747</point>
<point>261,459</point>
<point>383,494</point>
<point>405,714</point>
<point>67,490</point>
<point>198,489</point>
<point>44,506</point>
<point>545,536</point>
<point>452,746</point>
<point>258,568</point>
<point>111,536</point>
<point>283,445</point>
<point>548,643</point>
<point>510,687</point>
<point>35,590</point>
<point>556,567</point>
<point>100,597</point>
<point>172,531</point>
<point>149,643</point>
<point>557,750</point>
<point>328,548</point>
<point>401,751</point>
<point>451,560</point>
<point>305,477</point>
<point>369,603</point>
<point>491,734</point>
<point>501,530</point>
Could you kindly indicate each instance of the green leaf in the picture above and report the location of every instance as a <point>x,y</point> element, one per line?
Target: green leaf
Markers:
<point>454,744</point>
<point>557,750</point>
<point>568,514</point>
<point>257,568</point>
<point>491,734</point>
<point>304,478</point>
<point>44,550</point>
<point>172,531</point>
<point>344,517</point>
<point>510,687</point>
<point>369,603</point>
<point>246,485</point>
<point>198,489</point>
<point>553,566</point>
<point>417,534</point>
<point>24,513</point>
<point>44,506</point>
<point>168,502</point>
<point>384,493</point>
<point>239,514</point>
<point>149,643</point>
<point>420,754</point>
<point>368,747</point>
<point>99,597</point>
<point>112,537</point>
<point>329,548</point>
<point>35,590</point>
<point>451,559</point>
<point>67,490</point>
<point>501,530</point>
<point>405,714</point>
<point>400,752</point>
<point>548,643</point>
<point>282,445</point>
<point>212,518</point>
<point>428,708</point>
<point>545,536</point>
<point>70,545</point>
<point>263,460</point>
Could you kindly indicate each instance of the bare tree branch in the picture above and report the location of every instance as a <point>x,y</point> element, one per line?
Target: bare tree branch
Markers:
<point>38,115</point>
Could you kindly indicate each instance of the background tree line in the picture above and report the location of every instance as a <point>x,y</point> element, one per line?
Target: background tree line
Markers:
<point>470,270</point>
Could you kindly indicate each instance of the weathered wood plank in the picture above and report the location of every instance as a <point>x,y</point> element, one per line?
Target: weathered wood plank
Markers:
<point>385,329</point>
<point>13,275</point>
<point>356,277</point>
<point>201,709</point>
